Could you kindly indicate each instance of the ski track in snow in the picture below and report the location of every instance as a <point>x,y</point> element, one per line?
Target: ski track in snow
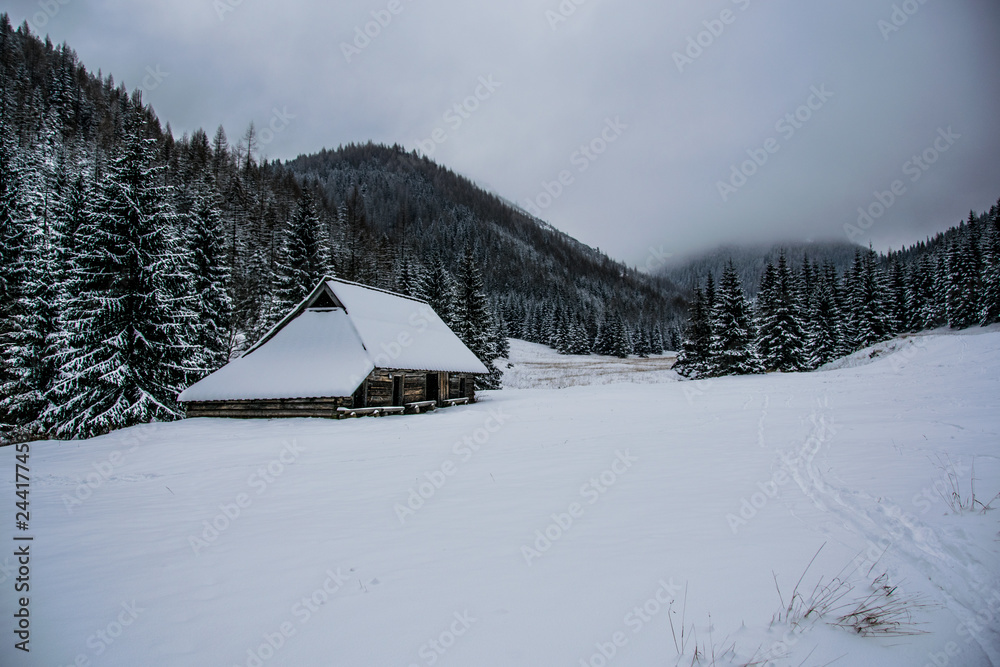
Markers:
<point>959,577</point>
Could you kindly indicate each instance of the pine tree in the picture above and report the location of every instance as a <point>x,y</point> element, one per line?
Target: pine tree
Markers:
<point>410,277</point>
<point>129,319</point>
<point>473,319</point>
<point>964,275</point>
<point>303,262</point>
<point>31,341</point>
<point>439,289</point>
<point>782,333</point>
<point>867,320</point>
<point>13,241</point>
<point>209,277</point>
<point>897,300</point>
<point>733,344</point>
<point>827,335</point>
<point>765,312</point>
<point>694,356</point>
<point>990,310</point>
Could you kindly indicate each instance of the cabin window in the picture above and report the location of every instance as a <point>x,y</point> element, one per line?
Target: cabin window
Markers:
<point>462,388</point>
<point>324,301</point>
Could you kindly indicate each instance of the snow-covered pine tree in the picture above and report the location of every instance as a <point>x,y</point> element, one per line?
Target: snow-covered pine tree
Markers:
<point>898,315</point>
<point>990,310</point>
<point>656,343</point>
<point>693,356</point>
<point>964,275</point>
<point>640,341</point>
<point>209,276</point>
<point>867,320</point>
<point>827,334</point>
<point>410,277</point>
<point>440,291</point>
<point>31,343</point>
<point>303,260</point>
<point>129,317</point>
<point>473,319</point>
<point>782,333</point>
<point>13,234</point>
<point>501,344</point>
<point>765,312</point>
<point>732,347</point>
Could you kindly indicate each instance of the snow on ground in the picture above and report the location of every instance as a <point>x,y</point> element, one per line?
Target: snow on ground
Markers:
<point>533,365</point>
<point>555,527</point>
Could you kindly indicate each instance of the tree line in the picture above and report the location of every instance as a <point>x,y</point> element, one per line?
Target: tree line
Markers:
<point>802,318</point>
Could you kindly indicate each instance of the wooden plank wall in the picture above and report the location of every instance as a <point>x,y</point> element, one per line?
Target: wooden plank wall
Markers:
<point>294,407</point>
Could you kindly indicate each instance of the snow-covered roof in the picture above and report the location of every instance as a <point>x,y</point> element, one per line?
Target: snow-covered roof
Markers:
<point>332,340</point>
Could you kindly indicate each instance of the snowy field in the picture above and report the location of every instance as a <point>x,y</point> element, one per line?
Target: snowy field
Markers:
<point>588,525</point>
<point>535,366</point>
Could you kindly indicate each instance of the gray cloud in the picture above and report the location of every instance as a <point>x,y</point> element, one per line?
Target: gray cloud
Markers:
<point>656,183</point>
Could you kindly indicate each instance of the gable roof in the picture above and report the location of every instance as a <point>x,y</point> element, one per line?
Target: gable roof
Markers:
<point>332,340</point>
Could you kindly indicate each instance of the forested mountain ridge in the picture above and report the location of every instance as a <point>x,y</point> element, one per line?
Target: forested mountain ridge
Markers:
<point>133,262</point>
<point>751,260</point>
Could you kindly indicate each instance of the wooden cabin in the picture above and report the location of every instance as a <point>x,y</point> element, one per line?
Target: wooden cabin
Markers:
<point>347,350</point>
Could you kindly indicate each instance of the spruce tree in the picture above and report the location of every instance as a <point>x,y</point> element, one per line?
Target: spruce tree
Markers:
<point>990,310</point>
<point>440,291</point>
<point>694,354</point>
<point>964,276</point>
<point>129,319</point>
<point>782,333</point>
<point>474,320</point>
<point>209,277</point>
<point>303,262</point>
<point>733,343</point>
<point>827,335</point>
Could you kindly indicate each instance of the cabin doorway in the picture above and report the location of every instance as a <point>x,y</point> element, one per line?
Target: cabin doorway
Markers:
<point>397,390</point>
<point>433,387</point>
<point>361,396</point>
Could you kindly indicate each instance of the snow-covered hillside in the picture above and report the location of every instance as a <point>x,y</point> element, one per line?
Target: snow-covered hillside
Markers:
<point>581,526</point>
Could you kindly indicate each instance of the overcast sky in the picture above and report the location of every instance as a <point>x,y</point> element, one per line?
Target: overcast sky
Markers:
<point>650,112</point>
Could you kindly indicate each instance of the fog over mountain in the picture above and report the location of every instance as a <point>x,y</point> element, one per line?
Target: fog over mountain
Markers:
<point>618,123</point>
